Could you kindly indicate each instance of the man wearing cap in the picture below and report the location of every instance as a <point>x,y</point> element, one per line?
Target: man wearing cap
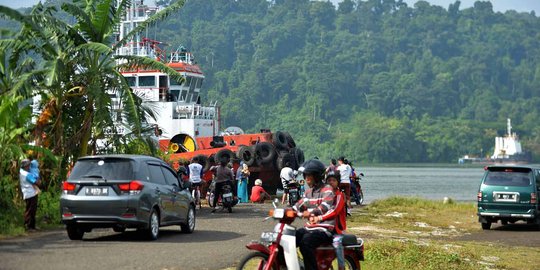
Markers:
<point>30,194</point>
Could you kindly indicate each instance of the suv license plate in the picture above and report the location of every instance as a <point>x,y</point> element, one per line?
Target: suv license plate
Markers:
<point>506,196</point>
<point>97,191</point>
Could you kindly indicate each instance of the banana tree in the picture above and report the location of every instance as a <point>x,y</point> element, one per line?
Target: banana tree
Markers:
<point>82,69</point>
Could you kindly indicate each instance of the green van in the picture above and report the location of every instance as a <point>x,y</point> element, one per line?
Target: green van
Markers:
<point>509,194</point>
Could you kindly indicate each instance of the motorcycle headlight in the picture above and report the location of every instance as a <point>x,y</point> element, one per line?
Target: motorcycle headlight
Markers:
<point>268,237</point>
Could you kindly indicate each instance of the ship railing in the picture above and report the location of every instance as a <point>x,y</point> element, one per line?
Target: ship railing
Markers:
<point>194,111</point>
<point>181,57</point>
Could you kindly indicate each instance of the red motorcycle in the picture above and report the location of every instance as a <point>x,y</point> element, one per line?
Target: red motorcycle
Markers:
<point>277,249</point>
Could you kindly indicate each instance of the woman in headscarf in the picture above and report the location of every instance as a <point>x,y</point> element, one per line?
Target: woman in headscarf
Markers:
<point>242,184</point>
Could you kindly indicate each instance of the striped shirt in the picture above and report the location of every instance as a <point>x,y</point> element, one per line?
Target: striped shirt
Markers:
<point>318,201</point>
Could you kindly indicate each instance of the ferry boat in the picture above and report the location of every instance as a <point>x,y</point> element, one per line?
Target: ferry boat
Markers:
<point>184,126</point>
<point>507,150</point>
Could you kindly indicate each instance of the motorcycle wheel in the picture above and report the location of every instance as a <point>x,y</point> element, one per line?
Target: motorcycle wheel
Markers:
<point>211,199</point>
<point>349,264</point>
<point>255,260</point>
<point>361,195</point>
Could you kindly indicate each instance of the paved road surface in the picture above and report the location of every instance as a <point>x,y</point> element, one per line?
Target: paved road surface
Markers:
<point>218,242</point>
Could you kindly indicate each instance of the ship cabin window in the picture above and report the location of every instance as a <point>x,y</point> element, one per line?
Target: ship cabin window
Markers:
<point>174,82</point>
<point>147,81</point>
<point>199,83</point>
<point>194,97</point>
<point>163,87</point>
<point>131,81</point>
<point>188,81</point>
<point>193,83</point>
<point>183,95</point>
<point>175,94</point>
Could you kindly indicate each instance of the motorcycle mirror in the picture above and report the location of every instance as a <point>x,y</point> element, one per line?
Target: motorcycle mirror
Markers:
<point>275,202</point>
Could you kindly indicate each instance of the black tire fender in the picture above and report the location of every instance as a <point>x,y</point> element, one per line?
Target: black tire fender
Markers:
<point>290,140</point>
<point>298,156</point>
<point>265,152</point>
<point>224,153</point>
<point>280,140</point>
<point>247,154</point>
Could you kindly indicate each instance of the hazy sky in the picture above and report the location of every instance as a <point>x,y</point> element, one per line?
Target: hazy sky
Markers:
<point>498,5</point>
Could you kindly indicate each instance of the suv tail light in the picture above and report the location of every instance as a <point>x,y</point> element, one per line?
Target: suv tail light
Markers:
<point>133,187</point>
<point>533,197</point>
<point>479,196</point>
<point>68,188</point>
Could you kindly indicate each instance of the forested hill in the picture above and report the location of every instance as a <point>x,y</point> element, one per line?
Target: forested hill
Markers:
<point>376,80</point>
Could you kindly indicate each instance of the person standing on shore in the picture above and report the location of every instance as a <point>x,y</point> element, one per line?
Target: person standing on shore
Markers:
<point>345,183</point>
<point>243,184</point>
<point>30,194</point>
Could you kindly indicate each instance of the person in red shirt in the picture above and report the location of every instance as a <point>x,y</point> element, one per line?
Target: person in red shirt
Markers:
<point>258,194</point>
<point>337,213</point>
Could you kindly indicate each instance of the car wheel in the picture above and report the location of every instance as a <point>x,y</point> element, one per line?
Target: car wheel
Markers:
<point>152,232</point>
<point>486,225</point>
<point>189,226</point>
<point>504,222</point>
<point>74,232</point>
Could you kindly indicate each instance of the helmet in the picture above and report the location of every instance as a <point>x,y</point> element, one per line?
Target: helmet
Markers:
<point>314,167</point>
<point>258,182</point>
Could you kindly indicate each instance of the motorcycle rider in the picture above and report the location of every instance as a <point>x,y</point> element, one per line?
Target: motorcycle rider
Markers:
<point>223,176</point>
<point>317,201</point>
<point>195,172</point>
<point>286,175</point>
<point>338,214</point>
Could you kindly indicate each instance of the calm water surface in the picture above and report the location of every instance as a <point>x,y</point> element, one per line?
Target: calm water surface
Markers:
<point>458,183</point>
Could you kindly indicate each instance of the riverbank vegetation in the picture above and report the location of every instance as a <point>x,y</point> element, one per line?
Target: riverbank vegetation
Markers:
<point>413,233</point>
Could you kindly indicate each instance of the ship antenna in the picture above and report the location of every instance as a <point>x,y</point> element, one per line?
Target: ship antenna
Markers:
<point>509,127</point>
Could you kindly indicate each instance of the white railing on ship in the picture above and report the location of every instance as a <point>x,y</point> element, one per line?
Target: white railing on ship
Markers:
<point>195,112</point>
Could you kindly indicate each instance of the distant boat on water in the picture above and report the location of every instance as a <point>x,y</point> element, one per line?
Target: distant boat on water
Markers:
<point>507,150</point>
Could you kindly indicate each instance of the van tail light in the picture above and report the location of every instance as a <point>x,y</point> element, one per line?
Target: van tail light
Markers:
<point>533,197</point>
<point>479,196</point>
<point>68,188</point>
<point>133,187</point>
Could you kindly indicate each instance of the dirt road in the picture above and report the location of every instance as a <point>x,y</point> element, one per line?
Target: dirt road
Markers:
<point>519,234</point>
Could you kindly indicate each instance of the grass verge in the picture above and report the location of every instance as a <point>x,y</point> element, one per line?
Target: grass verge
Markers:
<point>414,233</point>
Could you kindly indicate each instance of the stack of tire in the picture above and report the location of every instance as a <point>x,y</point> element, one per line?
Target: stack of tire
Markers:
<point>280,151</point>
<point>286,150</point>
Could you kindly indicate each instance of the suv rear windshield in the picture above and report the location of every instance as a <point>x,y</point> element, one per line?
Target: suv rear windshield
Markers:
<point>110,168</point>
<point>519,177</point>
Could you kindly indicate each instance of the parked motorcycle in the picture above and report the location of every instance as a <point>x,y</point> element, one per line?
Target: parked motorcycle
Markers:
<point>294,192</point>
<point>358,187</point>
<point>226,200</point>
<point>277,249</point>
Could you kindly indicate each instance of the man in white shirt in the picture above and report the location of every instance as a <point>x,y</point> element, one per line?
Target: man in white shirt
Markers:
<point>345,183</point>
<point>286,175</point>
<point>195,172</point>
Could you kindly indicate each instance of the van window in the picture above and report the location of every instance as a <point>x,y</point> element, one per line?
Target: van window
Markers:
<point>109,168</point>
<point>502,178</point>
<point>170,177</point>
<point>156,176</point>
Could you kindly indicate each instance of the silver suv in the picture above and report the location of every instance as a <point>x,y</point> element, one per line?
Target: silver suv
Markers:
<point>124,191</point>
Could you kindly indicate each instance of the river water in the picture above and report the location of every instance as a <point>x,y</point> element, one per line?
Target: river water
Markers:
<point>425,181</point>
